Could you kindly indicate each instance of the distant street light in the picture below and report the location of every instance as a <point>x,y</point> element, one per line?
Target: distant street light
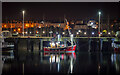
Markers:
<point>39,26</point>
<point>109,33</point>
<point>93,33</point>
<point>43,31</point>
<point>99,24</point>
<point>16,32</point>
<point>77,32</point>
<point>85,33</point>
<point>26,32</point>
<point>23,21</point>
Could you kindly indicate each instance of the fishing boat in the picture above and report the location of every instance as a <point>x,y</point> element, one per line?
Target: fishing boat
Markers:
<point>60,49</point>
<point>59,46</point>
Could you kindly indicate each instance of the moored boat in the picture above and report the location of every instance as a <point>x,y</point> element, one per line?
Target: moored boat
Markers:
<point>57,46</point>
<point>60,49</point>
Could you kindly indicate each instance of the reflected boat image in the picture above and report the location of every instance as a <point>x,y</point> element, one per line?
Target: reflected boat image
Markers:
<point>116,47</point>
<point>59,61</point>
<point>62,55</point>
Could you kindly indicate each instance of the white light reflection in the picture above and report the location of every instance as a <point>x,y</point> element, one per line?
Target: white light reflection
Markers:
<point>71,65</point>
<point>58,67</point>
<point>55,59</point>
<point>58,63</point>
<point>1,61</point>
<point>72,61</point>
<point>52,59</point>
<point>115,60</point>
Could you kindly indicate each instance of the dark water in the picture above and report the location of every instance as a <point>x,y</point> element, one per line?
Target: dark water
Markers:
<point>83,61</point>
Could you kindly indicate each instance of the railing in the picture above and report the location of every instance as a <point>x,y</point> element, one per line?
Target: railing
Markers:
<point>50,37</point>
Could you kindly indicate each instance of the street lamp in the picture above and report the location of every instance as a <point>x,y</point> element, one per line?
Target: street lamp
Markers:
<point>23,21</point>
<point>99,24</point>
<point>77,32</point>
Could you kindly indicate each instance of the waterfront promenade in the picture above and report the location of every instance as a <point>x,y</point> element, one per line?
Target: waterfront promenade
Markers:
<point>51,37</point>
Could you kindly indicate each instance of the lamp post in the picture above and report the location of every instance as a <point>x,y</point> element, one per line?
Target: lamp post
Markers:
<point>99,24</point>
<point>23,21</point>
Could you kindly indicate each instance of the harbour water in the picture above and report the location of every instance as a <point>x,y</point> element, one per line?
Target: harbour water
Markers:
<point>86,60</point>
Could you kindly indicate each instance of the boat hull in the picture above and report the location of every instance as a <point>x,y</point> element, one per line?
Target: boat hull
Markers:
<point>61,50</point>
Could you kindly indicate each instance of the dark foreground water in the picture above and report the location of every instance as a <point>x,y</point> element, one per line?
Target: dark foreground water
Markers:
<point>25,62</point>
<point>76,63</point>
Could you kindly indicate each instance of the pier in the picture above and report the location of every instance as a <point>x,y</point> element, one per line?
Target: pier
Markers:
<point>37,43</point>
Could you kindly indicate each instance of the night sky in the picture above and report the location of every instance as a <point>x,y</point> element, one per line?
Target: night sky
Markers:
<point>57,10</point>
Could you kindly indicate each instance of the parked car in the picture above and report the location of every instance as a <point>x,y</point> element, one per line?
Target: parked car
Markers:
<point>6,33</point>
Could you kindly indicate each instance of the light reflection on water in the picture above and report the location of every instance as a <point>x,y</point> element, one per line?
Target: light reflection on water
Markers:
<point>115,58</point>
<point>78,62</point>
<point>60,59</point>
<point>1,62</point>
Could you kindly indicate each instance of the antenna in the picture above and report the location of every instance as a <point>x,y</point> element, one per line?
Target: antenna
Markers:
<point>71,35</point>
<point>108,22</point>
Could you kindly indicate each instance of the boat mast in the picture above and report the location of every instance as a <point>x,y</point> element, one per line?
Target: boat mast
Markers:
<point>71,35</point>
<point>108,22</point>
<point>68,26</point>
